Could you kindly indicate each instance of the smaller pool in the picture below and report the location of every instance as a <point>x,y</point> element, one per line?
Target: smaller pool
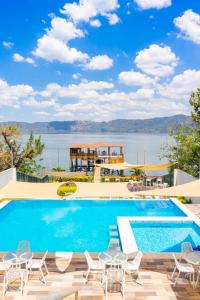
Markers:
<point>153,236</point>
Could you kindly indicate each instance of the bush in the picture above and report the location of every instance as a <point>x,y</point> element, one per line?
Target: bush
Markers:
<point>67,188</point>
<point>183,199</point>
<point>83,178</point>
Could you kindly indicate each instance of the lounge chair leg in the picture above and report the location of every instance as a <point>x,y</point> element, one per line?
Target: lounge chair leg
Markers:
<point>44,280</point>
<point>87,275</point>
<point>175,282</point>
<point>172,277</point>
<point>46,268</point>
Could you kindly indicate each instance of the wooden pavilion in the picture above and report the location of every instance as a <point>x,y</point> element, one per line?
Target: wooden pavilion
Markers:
<point>83,157</point>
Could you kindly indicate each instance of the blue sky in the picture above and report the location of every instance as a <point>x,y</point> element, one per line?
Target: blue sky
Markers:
<point>97,59</point>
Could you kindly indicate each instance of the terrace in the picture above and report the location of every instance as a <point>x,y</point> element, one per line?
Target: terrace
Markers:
<point>65,274</point>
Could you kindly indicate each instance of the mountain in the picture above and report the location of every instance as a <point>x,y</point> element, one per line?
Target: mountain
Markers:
<point>154,125</point>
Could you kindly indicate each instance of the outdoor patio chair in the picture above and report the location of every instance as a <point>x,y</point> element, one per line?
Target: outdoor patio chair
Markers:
<point>94,266</point>
<point>4,266</point>
<point>114,277</point>
<point>37,265</point>
<point>134,266</point>
<point>186,247</point>
<point>11,276</point>
<point>182,268</point>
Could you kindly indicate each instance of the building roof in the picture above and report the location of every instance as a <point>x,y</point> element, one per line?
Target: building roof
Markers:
<point>95,145</point>
<point>126,166</point>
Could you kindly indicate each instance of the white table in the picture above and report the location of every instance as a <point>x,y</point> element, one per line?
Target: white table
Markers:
<point>113,258</point>
<point>16,260</point>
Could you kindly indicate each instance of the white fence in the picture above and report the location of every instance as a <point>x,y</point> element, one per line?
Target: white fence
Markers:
<point>6,176</point>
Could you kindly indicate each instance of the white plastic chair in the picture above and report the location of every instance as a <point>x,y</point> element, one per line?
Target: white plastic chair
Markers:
<point>134,265</point>
<point>23,247</point>
<point>114,276</point>
<point>186,247</point>
<point>11,276</point>
<point>182,268</point>
<point>4,266</point>
<point>94,266</point>
<point>38,264</point>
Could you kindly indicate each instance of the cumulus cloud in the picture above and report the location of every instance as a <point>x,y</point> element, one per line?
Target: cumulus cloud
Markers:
<point>53,46</point>
<point>19,58</point>
<point>7,45</point>
<point>95,23</point>
<point>181,86</point>
<point>99,62</point>
<point>156,60</point>
<point>14,94</point>
<point>132,78</point>
<point>84,10</point>
<point>100,100</point>
<point>158,4</point>
<point>189,26</point>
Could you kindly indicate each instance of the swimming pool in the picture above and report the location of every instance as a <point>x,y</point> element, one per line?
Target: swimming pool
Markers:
<point>72,225</point>
<point>165,236</point>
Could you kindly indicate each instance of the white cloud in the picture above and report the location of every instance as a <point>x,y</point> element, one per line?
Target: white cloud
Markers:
<point>64,30</point>
<point>76,75</point>
<point>32,102</point>
<point>181,86</point>
<point>84,10</point>
<point>157,60</point>
<point>7,45</point>
<point>132,78</point>
<point>42,114</point>
<point>158,4</point>
<point>13,95</point>
<point>99,62</point>
<point>189,25</point>
<point>95,23</point>
<point>19,58</point>
<point>52,49</point>
<point>53,46</point>
<point>112,18</point>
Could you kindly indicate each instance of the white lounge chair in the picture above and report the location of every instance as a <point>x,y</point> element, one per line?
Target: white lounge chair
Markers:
<point>11,276</point>
<point>182,268</point>
<point>94,266</point>
<point>37,265</point>
<point>134,266</point>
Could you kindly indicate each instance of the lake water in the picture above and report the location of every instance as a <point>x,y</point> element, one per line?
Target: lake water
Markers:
<point>139,148</point>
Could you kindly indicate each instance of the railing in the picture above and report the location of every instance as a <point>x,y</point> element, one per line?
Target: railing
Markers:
<point>83,155</point>
<point>30,178</point>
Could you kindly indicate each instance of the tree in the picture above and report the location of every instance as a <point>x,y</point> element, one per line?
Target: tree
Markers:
<point>25,159</point>
<point>184,153</point>
<point>137,172</point>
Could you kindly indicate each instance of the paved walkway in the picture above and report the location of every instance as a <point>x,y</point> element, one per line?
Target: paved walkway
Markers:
<point>156,270</point>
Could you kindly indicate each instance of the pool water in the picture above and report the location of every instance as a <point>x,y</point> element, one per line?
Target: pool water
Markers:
<point>71,225</point>
<point>165,236</point>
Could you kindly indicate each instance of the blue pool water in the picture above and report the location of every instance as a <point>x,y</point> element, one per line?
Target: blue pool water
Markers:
<point>71,225</point>
<point>165,236</point>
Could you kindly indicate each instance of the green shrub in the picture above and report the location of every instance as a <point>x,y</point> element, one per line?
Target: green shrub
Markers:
<point>183,199</point>
<point>83,178</point>
<point>67,188</point>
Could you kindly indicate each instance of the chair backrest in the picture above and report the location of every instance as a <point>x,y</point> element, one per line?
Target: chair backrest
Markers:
<point>88,258</point>
<point>137,260</point>
<point>23,247</point>
<point>176,261</point>
<point>44,256</point>
<point>186,247</point>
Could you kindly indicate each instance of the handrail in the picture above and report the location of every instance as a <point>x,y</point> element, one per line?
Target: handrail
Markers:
<point>61,296</point>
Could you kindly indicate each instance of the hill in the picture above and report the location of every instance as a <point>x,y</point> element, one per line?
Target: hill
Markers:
<point>154,125</point>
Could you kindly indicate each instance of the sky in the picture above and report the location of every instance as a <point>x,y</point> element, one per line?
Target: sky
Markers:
<point>97,60</point>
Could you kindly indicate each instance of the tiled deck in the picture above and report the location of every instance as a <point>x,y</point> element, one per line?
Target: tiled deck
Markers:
<point>155,273</point>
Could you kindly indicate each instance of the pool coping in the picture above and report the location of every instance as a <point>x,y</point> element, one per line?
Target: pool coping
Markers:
<point>128,241</point>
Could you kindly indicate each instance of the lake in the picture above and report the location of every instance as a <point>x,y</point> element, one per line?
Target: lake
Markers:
<point>139,148</point>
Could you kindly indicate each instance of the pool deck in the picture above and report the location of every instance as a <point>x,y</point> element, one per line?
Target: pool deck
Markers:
<point>156,270</point>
